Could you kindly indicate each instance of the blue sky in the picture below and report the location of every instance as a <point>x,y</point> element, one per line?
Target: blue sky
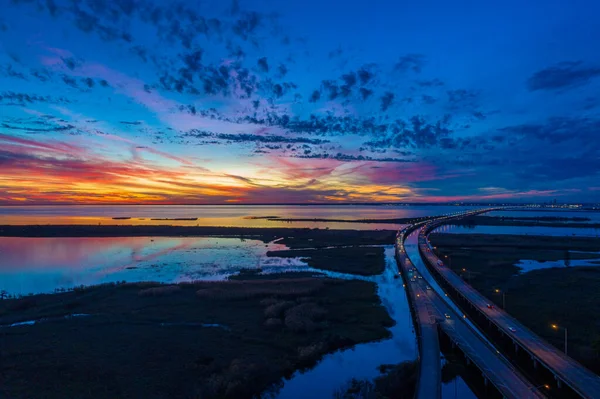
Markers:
<point>266,101</point>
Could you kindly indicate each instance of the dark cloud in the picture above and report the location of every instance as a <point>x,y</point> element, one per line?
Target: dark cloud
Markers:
<point>365,93</point>
<point>282,70</point>
<point>410,62</point>
<point>349,79</point>
<point>430,83</point>
<point>263,64</point>
<point>23,98</point>
<point>247,25</point>
<point>141,52</point>
<point>559,130</point>
<point>71,62</point>
<point>8,70</point>
<point>49,127</point>
<point>331,88</point>
<point>428,99</point>
<point>41,74</point>
<point>365,75</point>
<point>315,96</point>
<point>564,75</point>
<point>89,82</point>
<point>461,98</point>
<point>416,133</point>
<point>350,158</point>
<point>69,81</point>
<point>254,138</point>
<point>386,100</point>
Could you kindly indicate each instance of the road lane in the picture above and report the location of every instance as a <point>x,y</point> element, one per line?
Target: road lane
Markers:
<point>495,368</point>
<point>580,379</point>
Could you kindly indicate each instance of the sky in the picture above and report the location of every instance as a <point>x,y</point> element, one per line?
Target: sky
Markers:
<point>243,101</point>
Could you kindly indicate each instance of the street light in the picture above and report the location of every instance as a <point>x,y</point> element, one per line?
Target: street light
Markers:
<point>449,261</point>
<point>538,387</point>
<point>556,327</point>
<point>498,291</point>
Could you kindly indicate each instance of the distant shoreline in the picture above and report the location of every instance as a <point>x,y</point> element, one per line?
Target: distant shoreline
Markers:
<point>585,206</point>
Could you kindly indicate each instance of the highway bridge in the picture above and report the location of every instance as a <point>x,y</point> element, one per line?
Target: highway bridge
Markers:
<point>432,310</point>
<point>536,358</point>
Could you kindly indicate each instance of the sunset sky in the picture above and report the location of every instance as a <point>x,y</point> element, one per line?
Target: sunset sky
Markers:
<point>148,101</point>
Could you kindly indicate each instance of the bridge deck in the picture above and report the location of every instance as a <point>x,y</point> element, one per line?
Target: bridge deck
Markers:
<point>491,363</point>
<point>580,379</point>
<point>430,376</point>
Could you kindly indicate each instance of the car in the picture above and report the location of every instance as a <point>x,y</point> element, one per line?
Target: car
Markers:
<point>447,315</point>
<point>440,263</point>
<point>512,329</point>
<point>490,306</point>
<point>428,287</point>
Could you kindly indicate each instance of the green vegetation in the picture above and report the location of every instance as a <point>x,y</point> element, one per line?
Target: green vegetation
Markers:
<point>395,382</point>
<point>567,296</point>
<point>365,261</point>
<point>231,339</point>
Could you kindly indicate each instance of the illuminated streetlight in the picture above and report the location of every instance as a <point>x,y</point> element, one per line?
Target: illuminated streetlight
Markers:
<point>498,291</point>
<point>538,387</point>
<point>556,327</point>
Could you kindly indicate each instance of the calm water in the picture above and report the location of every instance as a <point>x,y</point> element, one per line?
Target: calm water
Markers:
<point>520,230</point>
<point>593,216</point>
<point>34,265</point>
<point>528,265</point>
<point>361,362</point>
<point>220,215</point>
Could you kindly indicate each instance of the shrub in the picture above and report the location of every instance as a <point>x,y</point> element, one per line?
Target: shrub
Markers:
<point>273,323</point>
<point>303,317</point>
<point>311,352</point>
<point>275,310</point>
<point>247,289</point>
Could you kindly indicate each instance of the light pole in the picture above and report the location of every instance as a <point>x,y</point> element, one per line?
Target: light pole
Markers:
<point>497,291</point>
<point>556,327</point>
<point>449,261</point>
<point>532,389</point>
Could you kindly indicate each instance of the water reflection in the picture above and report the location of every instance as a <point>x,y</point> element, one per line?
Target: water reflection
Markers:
<point>35,265</point>
<point>594,217</point>
<point>219,215</point>
<point>521,230</point>
<point>528,265</point>
<point>361,362</point>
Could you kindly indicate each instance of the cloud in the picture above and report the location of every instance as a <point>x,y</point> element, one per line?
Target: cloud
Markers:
<point>263,64</point>
<point>564,75</point>
<point>411,62</point>
<point>253,138</point>
<point>351,158</point>
<point>386,100</point>
<point>365,75</point>
<point>23,98</point>
<point>430,83</point>
<point>461,99</point>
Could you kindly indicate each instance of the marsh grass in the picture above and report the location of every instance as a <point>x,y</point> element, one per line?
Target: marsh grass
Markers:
<point>568,296</point>
<point>147,340</point>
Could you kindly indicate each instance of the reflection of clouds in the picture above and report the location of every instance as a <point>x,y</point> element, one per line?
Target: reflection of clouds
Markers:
<point>68,262</point>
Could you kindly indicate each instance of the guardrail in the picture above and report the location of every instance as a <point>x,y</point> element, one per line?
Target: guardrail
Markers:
<point>584,383</point>
<point>425,327</point>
